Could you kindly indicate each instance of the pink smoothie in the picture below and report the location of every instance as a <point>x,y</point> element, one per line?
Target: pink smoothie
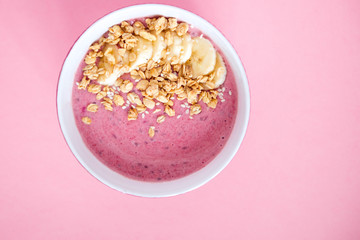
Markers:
<point>181,146</point>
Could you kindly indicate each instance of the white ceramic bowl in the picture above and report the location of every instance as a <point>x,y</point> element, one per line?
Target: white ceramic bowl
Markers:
<point>89,161</point>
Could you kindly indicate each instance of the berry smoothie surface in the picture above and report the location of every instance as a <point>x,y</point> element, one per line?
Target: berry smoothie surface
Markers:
<point>180,146</point>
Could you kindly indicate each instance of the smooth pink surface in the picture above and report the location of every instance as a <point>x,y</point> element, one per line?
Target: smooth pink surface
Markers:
<point>296,175</point>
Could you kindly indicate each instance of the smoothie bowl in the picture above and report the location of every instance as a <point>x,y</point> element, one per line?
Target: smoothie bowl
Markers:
<point>153,100</point>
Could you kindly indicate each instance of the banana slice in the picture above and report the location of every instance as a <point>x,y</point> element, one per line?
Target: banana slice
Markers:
<point>143,52</point>
<point>180,49</point>
<point>112,50</point>
<point>219,70</point>
<point>186,48</point>
<point>174,50</point>
<point>158,46</point>
<point>203,57</point>
<point>111,63</point>
<point>110,78</point>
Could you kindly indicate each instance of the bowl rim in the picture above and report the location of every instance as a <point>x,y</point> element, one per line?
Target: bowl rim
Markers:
<point>244,83</point>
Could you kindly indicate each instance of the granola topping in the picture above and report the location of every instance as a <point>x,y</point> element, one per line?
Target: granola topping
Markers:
<point>118,100</point>
<point>86,120</point>
<point>149,103</point>
<point>160,119</point>
<point>92,107</point>
<point>152,131</point>
<point>132,114</point>
<point>158,81</point>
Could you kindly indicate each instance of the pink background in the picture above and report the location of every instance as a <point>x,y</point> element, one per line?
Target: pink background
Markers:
<point>296,175</point>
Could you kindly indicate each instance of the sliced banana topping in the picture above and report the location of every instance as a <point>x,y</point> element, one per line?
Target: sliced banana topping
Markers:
<point>203,57</point>
<point>112,65</point>
<point>219,70</point>
<point>180,50</point>
<point>125,50</point>
<point>186,48</point>
<point>158,46</point>
<point>174,50</point>
<point>141,53</point>
<point>166,62</point>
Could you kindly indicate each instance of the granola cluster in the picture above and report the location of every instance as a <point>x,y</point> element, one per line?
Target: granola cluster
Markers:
<point>158,82</point>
